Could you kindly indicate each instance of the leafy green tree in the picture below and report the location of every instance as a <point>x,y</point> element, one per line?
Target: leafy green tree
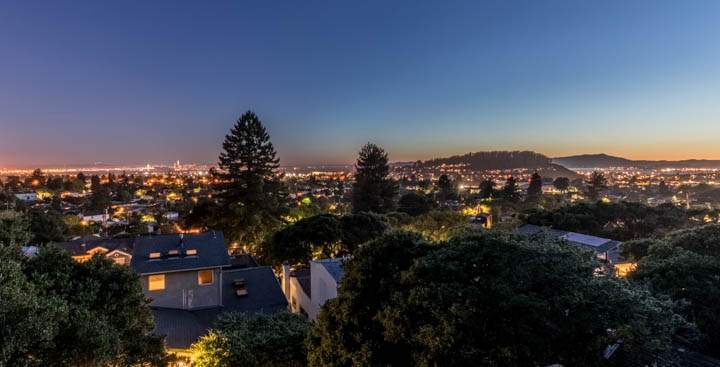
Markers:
<point>253,199</point>
<point>254,341</point>
<point>99,199</point>
<point>414,204</point>
<point>373,189</point>
<point>510,190</point>
<point>596,185</point>
<point>108,320</point>
<point>14,229</point>
<point>691,280</point>
<point>47,226</point>
<point>438,225</point>
<point>348,332</point>
<point>534,190</point>
<point>561,184</point>
<point>29,321</point>
<point>358,228</point>
<point>313,237</point>
<point>487,189</point>
<point>486,298</point>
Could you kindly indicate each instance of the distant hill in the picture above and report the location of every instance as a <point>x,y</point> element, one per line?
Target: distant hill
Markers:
<point>501,160</point>
<point>608,161</point>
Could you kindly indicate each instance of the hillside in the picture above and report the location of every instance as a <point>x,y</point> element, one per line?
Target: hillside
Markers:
<point>607,161</point>
<point>500,160</point>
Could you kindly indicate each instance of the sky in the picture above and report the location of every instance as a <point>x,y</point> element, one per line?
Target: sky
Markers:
<point>140,81</point>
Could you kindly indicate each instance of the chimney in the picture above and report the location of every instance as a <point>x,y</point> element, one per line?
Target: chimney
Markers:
<point>181,241</point>
<point>286,279</point>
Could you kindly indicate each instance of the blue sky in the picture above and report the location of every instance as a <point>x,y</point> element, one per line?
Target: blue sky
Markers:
<point>156,81</point>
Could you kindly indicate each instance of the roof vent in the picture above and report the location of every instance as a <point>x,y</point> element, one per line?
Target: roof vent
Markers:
<point>240,287</point>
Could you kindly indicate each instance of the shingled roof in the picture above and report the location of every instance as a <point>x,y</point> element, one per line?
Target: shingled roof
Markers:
<point>210,248</point>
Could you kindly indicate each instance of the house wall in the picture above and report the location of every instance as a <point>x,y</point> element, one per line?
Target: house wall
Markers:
<point>323,287</point>
<point>298,299</point>
<point>182,291</point>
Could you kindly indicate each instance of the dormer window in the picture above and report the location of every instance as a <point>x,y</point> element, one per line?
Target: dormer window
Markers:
<point>173,254</point>
<point>191,252</point>
<point>154,255</point>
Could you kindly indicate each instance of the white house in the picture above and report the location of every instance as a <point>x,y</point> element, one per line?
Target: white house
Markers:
<point>308,289</point>
<point>27,197</point>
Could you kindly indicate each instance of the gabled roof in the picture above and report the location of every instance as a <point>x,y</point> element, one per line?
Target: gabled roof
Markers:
<point>210,247</point>
<point>598,244</point>
<point>83,245</point>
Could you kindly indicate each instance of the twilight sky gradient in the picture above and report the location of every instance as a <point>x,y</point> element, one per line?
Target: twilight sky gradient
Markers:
<point>154,81</point>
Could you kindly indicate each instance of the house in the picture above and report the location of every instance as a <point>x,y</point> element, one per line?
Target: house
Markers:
<point>117,249</point>
<point>308,288</point>
<point>607,250</point>
<point>27,197</point>
<point>191,280</point>
<point>95,216</point>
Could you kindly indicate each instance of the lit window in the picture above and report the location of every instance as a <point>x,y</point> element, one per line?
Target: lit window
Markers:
<point>205,277</point>
<point>154,255</point>
<point>191,252</point>
<point>156,282</point>
<point>119,260</point>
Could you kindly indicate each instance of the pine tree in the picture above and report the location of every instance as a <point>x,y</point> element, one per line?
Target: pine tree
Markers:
<point>373,190</point>
<point>487,189</point>
<point>509,191</point>
<point>446,188</point>
<point>534,189</point>
<point>252,198</point>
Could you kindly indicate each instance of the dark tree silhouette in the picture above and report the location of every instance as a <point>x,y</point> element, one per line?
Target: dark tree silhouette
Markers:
<point>596,185</point>
<point>534,189</point>
<point>510,190</point>
<point>373,190</point>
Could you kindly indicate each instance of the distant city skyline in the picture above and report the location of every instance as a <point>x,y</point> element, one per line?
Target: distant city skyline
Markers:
<point>140,82</point>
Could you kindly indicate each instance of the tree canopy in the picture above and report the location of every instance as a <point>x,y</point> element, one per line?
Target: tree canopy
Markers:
<point>484,298</point>
<point>414,204</point>
<point>254,341</point>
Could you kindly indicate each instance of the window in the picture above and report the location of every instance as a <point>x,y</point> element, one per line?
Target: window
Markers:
<point>205,277</point>
<point>154,255</point>
<point>156,282</point>
<point>119,260</point>
<point>191,252</point>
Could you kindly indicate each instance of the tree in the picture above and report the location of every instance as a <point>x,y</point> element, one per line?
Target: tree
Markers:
<point>534,190</point>
<point>308,238</point>
<point>14,229</point>
<point>108,320</point>
<point>29,321</point>
<point>414,204</point>
<point>254,341</point>
<point>487,189</point>
<point>486,298</point>
<point>692,281</point>
<point>438,225</point>
<point>253,199</point>
<point>596,185</point>
<point>373,189</point>
<point>358,228</point>
<point>446,188</point>
<point>561,184</point>
<point>99,199</point>
<point>347,332</point>
<point>509,190</point>
<point>47,226</point>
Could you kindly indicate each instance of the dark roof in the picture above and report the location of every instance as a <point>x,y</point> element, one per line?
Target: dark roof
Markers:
<point>264,292</point>
<point>598,244</point>
<point>182,328</point>
<point>83,245</point>
<point>211,252</point>
<point>334,267</point>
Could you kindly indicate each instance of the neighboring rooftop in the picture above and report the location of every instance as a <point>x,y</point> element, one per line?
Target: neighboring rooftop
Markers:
<point>83,245</point>
<point>598,244</point>
<point>333,266</point>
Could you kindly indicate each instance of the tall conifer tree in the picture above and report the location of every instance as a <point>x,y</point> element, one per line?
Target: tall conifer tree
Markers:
<point>373,190</point>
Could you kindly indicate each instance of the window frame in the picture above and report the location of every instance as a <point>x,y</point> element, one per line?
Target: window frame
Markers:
<point>156,276</point>
<point>212,277</point>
